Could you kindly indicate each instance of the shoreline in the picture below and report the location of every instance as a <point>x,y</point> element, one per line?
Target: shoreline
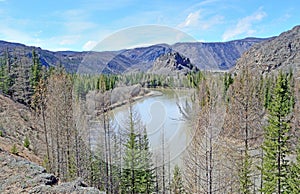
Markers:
<point>145,93</point>
<point>151,93</point>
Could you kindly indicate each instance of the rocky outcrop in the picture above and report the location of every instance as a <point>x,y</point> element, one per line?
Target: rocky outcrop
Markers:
<point>18,175</point>
<point>281,52</point>
<point>172,64</point>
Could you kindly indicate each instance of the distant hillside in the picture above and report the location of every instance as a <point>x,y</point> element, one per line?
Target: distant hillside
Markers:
<point>215,56</point>
<point>210,56</point>
<point>282,52</point>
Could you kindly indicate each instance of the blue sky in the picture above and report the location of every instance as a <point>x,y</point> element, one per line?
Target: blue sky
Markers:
<point>81,24</point>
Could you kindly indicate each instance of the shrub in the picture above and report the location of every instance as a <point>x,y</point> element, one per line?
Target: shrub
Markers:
<point>14,150</point>
<point>26,142</point>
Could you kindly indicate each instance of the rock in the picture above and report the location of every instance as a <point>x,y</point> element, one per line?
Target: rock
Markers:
<point>172,64</point>
<point>17,175</point>
<point>46,179</point>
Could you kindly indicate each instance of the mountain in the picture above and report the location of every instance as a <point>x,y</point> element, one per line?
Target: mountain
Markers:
<point>172,63</point>
<point>281,52</point>
<point>215,56</point>
<point>208,56</point>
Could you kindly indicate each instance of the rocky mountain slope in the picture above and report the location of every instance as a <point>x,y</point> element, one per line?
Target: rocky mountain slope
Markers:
<point>20,172</point>
<point>282,52</point>
<point>212,56</point>
<point>18,175</point>
<point>16,123</point>
<point>172,64</point>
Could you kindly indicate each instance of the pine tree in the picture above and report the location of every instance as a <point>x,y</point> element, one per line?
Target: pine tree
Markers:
<point>137,172</point>
<point>5,79</point>
<point>146,174</point>
<point>130,179</point>
<point>275,145</point>
<point>294,174</point>
<point>177,183</point>
<point>21,87</point>
<point>35,73</point>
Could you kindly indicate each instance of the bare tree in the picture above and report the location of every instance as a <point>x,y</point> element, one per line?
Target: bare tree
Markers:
<point>202,164</point>
<point>243,125</point>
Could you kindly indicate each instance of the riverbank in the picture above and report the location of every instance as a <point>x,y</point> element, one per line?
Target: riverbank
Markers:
<point>121,96</point>
<point>97,102</point>
<point>149,93</point>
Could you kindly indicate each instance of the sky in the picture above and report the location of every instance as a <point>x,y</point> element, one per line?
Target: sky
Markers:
<point>83,25</point>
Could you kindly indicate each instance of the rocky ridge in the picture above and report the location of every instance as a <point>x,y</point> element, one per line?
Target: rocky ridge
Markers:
<point>172,64</point>
<point>282,52</point>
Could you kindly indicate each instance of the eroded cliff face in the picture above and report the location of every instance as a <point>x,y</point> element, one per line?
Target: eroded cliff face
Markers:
<point>282,52</point>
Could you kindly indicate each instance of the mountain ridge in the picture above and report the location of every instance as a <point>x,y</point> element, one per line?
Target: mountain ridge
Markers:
<point>206,56</point>
<point>281,52</point>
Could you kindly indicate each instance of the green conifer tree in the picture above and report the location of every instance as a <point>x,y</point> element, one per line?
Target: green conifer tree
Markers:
<point>137,172</point>
<point>275,145</point>
<point>177,183</point>
<point>36,69</point>
<point>146,173</point>
<point>294,174</point>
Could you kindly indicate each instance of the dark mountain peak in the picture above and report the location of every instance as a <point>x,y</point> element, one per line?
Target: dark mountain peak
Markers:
<point>171,64</point>
<point>281,52</point>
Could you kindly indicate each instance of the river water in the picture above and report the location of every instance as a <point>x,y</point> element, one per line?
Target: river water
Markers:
<point>163,121</point>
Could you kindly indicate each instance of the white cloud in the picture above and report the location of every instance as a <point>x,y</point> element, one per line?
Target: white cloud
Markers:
<point>244,26</point>
<point>191,20</point>
<point>197,20</point>
<point>89,45</point>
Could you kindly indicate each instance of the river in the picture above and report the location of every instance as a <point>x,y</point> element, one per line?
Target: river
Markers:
<point>162,118</point>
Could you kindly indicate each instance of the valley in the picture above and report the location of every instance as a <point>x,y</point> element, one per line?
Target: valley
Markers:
<point>188,117</point>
